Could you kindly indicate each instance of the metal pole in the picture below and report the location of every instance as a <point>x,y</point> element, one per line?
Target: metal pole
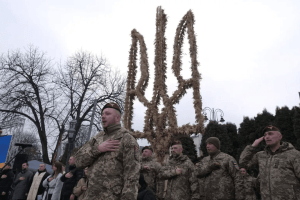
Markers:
<point>92,120</point>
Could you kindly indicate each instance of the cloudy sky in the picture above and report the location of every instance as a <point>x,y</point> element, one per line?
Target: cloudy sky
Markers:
<point>248,50</point>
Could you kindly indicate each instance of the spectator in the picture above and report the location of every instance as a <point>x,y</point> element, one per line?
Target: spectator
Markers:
<point>6,181</point>
<point>22,183</point>
<point>53,184</point>
<point>37,183</point>
<point>70,180</point>
<point>80,189</point>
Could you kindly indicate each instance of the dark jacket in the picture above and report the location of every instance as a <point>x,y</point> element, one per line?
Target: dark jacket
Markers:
<point>145,193</point>
<point>22,187</point>
<point>70,183</point>
<point>5,183</point>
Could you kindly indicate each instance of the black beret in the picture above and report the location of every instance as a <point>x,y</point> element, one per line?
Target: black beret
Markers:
<point>111,105</point>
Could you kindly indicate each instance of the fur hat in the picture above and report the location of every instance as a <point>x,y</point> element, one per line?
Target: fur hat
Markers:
<point>215,141</point>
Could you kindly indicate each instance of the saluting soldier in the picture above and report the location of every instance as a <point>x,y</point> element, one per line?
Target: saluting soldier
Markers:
<point>279,166</point>
<point>113,157</point>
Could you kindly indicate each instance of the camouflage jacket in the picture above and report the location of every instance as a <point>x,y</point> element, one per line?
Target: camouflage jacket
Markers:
<point>112,175</point>
<point>151,177</point>
<point>279,172</point>
<point>220,184</point>
<point>248,185</point>
<point>180,187</point>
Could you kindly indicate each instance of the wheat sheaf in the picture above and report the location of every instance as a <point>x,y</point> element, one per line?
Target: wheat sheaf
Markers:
<point>161,127</point>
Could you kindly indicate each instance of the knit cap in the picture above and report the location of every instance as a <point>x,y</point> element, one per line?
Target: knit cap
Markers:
<point>215,141</point>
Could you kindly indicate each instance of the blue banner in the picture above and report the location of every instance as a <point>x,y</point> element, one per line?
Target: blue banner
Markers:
<point>4,145</point>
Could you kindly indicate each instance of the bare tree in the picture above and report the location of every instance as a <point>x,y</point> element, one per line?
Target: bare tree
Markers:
<point>83,79</point>
<point>34,151</point>
<point>27,89</point>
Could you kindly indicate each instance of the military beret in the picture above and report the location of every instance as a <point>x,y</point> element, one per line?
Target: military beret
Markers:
<point>111,105</point>
<point>270,128</point>
<point>215,141</point>
<point>147,147</point>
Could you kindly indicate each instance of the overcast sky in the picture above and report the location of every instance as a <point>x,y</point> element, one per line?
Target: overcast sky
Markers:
<point>248,50</point>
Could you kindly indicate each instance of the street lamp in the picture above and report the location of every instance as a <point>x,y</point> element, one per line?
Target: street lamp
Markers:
<point>71,132</point>
<point>213,114</point>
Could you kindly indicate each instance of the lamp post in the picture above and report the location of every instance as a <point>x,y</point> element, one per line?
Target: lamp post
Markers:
<point>71,132</point>
<point>213,114</point>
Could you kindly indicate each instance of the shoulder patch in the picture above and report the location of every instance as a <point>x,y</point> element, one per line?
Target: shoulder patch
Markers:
<point>235,165</point>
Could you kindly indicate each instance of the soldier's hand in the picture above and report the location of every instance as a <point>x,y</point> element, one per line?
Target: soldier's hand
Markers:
<point>83,188</point>
<point>3,176</point>
<point>3,193</point>
<point>21,178</point>
<point>257,141</point>
<point>109,145</point>
<point>69,175</point>
<point>72,197</point>
<point>178,171</point>
<point>215,166</point>
<point>147,168</point>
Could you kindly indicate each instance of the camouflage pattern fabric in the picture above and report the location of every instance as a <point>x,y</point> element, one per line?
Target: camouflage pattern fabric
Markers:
<point>112,175</point>
<point>279,172</point>
<point>180,187</point>
<point>151,177</point>
<point>248,185</point>
<point>220,184</point>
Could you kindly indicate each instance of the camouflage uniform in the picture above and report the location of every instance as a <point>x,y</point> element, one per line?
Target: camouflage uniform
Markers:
<point>180,187</point>
<point>248,184</point>
<point>112,175</point>
<point>223,183</point>
<point>151,177</point>
<point>279,171</point>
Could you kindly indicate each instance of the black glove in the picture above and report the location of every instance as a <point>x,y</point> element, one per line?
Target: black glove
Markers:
<point>214,166</point>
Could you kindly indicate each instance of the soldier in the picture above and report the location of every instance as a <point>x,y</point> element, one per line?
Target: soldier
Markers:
<point>248,184</point>
<point>179,171</point>
<point>218,173</point>
<point>113,157</point>
<point>150,168</point>
<point>279,166</point>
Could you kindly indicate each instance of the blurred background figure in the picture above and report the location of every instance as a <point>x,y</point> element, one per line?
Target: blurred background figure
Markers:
<point>80,189</point>
<point>6,181</point>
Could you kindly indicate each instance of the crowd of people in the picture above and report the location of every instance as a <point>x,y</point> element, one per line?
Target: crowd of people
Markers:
<point>43,186</point>
<point>114,169</point>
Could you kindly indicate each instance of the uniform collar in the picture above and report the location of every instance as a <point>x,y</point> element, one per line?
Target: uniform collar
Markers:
<point>112,128</point>
<point>213,155</point>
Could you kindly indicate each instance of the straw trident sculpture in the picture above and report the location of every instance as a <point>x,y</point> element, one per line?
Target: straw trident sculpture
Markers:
<point>161,127</point>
